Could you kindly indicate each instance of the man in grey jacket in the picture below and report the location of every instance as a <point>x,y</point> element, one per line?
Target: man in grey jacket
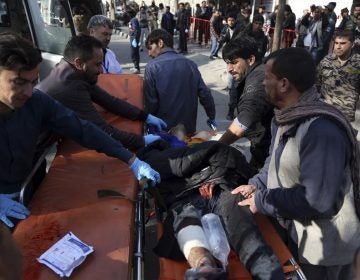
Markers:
<point>310,181</point>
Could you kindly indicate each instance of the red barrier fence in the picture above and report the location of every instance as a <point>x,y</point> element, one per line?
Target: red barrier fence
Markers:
<point>199,32</point>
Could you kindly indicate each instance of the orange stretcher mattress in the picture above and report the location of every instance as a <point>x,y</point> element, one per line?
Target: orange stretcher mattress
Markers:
<point>67,200</point>
<point>174,270</point>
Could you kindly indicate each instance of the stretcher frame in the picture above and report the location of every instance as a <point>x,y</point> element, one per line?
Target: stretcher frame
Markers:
<point>130,88</point>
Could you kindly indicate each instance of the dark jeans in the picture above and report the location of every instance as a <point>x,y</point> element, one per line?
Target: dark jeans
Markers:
<point>182,40</point>
<point>135,56</point>
<point>243,233</point>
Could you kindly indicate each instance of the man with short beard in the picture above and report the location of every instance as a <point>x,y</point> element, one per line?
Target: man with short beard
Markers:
<point>73,83</point>
<point>254,111</point>
<point>338,75</point>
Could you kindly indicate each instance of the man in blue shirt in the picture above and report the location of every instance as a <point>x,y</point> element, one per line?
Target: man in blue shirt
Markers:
<point>26,112</point>
<point>173,85</point>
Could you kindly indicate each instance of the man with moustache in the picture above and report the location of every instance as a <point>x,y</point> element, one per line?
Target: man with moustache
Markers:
<point>73,83</point>
<point>101,28</point>
<point>254,111</point>
<point>310,182</point>
<point>338,75</point>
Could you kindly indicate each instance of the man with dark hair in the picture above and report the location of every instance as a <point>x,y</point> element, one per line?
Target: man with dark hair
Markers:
<point>73,83</point>
<point>254,111</point>
<point>310,182</point>
<point>167,21</point>
<point>26,112</point>
<point>134,34</point>
<point>329,29</point>
<point>182,25</point>
<point>101,28</point>
<point>173,85</point>
<point>339,75</point>
<point>255,30</point>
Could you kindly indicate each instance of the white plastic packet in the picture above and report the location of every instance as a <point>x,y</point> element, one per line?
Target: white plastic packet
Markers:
<point>66,254</point>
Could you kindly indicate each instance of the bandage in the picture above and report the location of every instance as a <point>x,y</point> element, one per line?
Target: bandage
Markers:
<point>190,237</point>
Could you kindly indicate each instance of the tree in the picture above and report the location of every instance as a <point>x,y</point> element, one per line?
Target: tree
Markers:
<point>278,25</point>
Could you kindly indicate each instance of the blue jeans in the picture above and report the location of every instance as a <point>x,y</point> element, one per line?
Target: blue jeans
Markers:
<point>214,46</point>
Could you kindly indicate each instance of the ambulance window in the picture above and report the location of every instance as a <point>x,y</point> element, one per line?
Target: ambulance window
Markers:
<point>51,24</point>
<point>4,14</point>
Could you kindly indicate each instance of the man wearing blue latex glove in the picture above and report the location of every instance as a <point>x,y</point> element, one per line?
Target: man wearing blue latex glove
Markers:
<point>143,170</point>
<point>75,87</point>
<point>11,208</point>
<point>174,100</point>
<point>151,138</point>
<point>155,121</point>
<point>25,113</point>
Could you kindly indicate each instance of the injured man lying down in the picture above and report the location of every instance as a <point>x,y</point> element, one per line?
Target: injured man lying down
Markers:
<point>196,180</point>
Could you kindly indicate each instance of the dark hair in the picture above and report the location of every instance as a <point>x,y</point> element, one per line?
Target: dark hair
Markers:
<point>258,18</point>
<point>296,65</point>
<point>287,8</point>
<point>240,47</point>
<point>345,33</point>
<point>17,53</point>
<point>81,46</point>
<point>156,35</point>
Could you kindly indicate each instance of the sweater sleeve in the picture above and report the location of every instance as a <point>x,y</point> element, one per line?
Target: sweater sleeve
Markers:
<point>325,152</point>
<point>116,105</point>
<point>87,134</point>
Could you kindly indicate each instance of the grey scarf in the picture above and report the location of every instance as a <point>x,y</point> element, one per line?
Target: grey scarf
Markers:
<point>310,105</point>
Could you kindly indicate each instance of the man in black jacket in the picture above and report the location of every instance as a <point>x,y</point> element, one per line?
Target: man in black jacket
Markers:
<point>254,111</point>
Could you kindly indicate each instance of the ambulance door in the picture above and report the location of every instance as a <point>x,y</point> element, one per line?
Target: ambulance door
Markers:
<point>51,27</point>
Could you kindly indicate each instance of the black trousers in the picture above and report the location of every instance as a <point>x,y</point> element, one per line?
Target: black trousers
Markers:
<point>242,230</point>
<point>135,56</point>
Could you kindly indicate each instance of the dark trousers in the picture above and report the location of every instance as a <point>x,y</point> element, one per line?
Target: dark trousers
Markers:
<point>135,56</point>
<point>243,233</point>
<point>182,40</point>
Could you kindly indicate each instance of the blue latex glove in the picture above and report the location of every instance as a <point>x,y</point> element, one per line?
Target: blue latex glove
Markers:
<point>155,121</point>
<point>151,138</point>
<point>186,30</point>
<point>11,208</point>
<point>212,124</point>
<point>142,169</point>
<point>134,43</point>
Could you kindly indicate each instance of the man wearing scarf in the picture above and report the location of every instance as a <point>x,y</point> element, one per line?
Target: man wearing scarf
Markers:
<point>310,181</point>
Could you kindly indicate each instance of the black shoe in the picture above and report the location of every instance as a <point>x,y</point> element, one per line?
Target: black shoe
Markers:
<point>212,58</point>
<point>206,272</point>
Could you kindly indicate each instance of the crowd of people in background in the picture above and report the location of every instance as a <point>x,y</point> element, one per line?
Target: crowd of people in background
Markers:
<point>287,103</point>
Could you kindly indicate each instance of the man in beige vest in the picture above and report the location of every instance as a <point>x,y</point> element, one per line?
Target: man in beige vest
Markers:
<point>310,181</point>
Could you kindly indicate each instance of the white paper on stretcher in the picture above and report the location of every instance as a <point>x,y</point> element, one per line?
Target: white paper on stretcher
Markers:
<point>66,254</point>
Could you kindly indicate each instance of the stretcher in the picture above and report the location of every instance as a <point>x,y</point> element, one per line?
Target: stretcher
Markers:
<point>175,270</point>
<point>93,196</point>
